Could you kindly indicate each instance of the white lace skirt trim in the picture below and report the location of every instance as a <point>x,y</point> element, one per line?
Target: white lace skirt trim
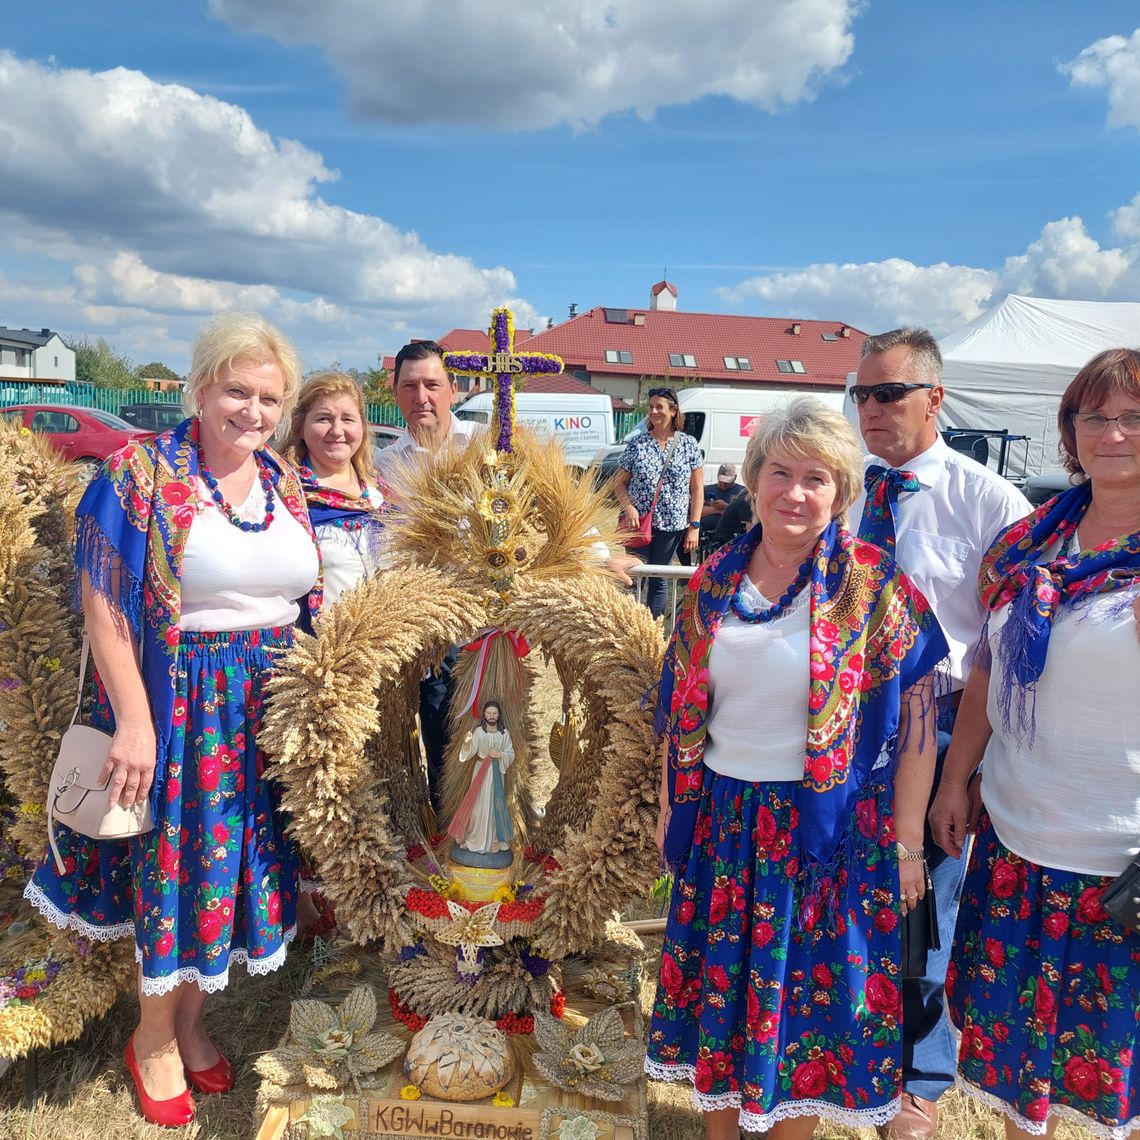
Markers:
<point>1061,1111</point>
<point>311,886</point>
<point>67,921</point>
<point>787,1110</point>
<point>212,983</point>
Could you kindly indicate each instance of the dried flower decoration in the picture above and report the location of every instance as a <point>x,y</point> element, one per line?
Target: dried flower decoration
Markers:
<point>330,1048</point>
<point>577,1128</point>
<point>327,1116</point>
<point>598,1061</point>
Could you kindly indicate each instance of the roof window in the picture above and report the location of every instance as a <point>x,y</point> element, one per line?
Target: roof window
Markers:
<point>735,363</point>
<point>682,360</point>
<point>796,366</point>
<point>618,356</point>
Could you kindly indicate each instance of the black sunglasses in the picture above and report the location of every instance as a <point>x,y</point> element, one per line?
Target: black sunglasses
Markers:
<point>883,393</point>
<point>667,393</point>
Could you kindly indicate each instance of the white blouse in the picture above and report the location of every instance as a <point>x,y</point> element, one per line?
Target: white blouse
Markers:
<point>759,678</point>
<point>346,558</point>
<point>235,579</point>
<point>1071,800</point>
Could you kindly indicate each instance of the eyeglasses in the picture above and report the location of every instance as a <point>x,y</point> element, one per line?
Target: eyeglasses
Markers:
<point>667,393</point>
<point>1093,423</point>
<point>884,393</point>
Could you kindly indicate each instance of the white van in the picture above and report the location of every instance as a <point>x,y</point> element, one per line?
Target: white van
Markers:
<point>722,419</point>
<point>583,424</point>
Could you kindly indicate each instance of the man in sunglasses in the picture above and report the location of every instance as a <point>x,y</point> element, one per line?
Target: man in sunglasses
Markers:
<point>938,510</point>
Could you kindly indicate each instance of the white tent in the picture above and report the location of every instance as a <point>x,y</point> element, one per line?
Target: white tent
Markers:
<point>1008,369</point>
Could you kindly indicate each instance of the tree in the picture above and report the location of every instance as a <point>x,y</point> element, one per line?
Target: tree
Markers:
<point>378,387</point>
<point>156,370</point>
<point>96,362</point>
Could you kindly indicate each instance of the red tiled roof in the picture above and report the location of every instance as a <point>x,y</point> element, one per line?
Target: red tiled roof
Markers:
<point>563,383</point>
<point>651,335</point>
<point>661,286</point>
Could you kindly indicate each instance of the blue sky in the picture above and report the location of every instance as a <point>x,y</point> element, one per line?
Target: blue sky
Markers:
<point>366,172</point>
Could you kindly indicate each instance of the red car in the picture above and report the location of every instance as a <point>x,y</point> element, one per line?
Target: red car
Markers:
<point>84,435</point>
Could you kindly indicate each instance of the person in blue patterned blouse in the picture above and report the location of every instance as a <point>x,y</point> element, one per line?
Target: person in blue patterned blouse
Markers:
<point>661,470</point>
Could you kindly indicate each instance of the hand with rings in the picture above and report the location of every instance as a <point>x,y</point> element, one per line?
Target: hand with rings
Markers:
<point>912,884</point>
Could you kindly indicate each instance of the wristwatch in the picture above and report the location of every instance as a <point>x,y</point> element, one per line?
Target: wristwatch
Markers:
<point>695,522</point>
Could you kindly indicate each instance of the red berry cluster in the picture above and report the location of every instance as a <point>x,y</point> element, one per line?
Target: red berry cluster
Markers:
<point>522,910</point>
<point>558,1005</point>
<point>516,1023</point>
<point>427,903</point>
<point>547,862</point>
<point>411,1020</point>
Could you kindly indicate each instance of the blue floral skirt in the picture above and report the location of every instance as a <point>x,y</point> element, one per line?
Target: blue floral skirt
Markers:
<point>215,882</point>
<point>771,1017</point>
<point>1045,989</point>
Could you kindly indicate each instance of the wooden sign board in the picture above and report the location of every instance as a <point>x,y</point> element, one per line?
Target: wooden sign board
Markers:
<point>390,1116</point>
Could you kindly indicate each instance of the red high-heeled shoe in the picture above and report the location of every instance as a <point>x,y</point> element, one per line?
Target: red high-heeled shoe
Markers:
<point>218,1078</point>
<point>173,1112</point>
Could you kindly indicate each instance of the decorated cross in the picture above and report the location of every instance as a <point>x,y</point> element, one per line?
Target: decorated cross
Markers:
<point>503,364</point>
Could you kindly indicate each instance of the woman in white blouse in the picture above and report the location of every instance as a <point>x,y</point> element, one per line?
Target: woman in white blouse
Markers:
<point>192,550</point>
<point>797,711</point>
<point>330,443</point>
<point>1044,984</point>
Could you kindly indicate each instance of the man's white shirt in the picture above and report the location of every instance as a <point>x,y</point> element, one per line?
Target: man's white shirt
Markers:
<point>394,454</point>
<point>943,531</point>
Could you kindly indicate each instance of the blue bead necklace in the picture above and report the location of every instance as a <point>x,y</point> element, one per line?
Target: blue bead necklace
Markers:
<point>786,599</point>
<point>227,510</point>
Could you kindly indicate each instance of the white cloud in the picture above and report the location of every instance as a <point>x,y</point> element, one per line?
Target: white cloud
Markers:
<point>1113,63</point>
<point>1064,262</point>
<point>549,62</point>
<point>174,202</point>
<point>877,294</point>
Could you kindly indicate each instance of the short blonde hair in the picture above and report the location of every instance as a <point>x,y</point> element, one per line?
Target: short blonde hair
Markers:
<point>808,429</point>
<point>231,337</point>
<point>327,386</point>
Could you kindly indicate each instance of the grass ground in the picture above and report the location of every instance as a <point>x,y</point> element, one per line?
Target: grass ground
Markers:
<point>84,1092</point>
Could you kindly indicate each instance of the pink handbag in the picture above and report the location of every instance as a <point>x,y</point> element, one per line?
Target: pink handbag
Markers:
<point>75,795</point>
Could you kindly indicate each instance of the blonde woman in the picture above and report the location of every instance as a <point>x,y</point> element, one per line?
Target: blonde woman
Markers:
<point>779,999</point>
<point>191,549</point>
<point>329,442</point>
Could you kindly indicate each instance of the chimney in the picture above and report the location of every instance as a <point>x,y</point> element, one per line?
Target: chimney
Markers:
<point>45,332</point>
<point>845,331</point>
<point>550,322</point>
<point>573,310</point>
<point>796,328</point>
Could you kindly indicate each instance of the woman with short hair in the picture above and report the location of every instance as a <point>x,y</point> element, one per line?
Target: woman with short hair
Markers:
<point>797,710</point>
<point>661,471</point>
<point>1043,983</point>
<point>192,549</point>
<point>330,443</point>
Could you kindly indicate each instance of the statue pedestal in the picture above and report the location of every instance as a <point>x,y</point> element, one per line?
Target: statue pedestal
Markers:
<point>479,883</point>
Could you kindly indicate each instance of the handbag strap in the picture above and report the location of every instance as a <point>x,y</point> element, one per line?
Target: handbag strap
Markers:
<point>664,466</point>
<point>84,656</point>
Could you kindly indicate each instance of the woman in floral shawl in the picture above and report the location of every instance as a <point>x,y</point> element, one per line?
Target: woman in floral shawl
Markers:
<point>330,443</point>
<point>1043,983</point>
<point>797,707</point>
<point>191,550</point>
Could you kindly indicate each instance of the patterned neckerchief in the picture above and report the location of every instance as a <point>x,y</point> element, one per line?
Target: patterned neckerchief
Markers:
<point>879,523</point>
<point>1018,571</point>
<point>131,528</point>
<point>872,636</point>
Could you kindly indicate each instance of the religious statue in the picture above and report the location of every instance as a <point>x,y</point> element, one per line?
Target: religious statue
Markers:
<point>481,825</point>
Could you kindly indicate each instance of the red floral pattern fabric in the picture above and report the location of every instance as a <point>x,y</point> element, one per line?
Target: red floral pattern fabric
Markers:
<point>1045,988</point>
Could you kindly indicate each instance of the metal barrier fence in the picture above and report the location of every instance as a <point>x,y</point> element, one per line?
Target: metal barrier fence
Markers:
<point>676,578</point>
